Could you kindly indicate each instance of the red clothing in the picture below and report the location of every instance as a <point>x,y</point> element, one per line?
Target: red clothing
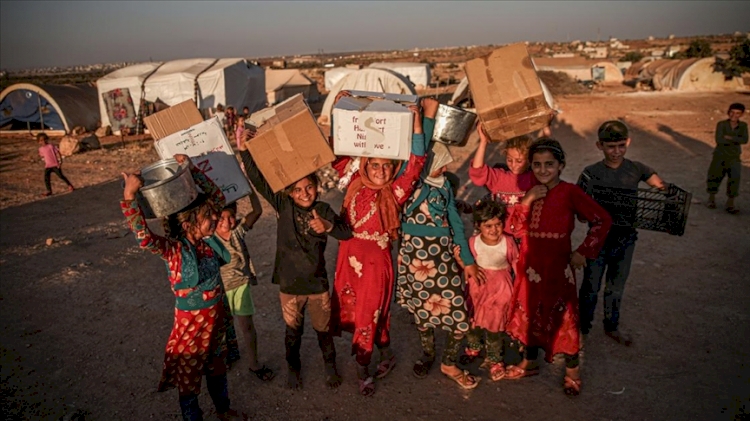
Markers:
<point>49,152</point>
<point>490,301</point>
<point>363,288</point>
<point>504,186</point>
<point>545,308</point>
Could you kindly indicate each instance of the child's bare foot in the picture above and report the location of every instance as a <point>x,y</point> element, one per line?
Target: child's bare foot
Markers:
<point>333,380</point>
<point>294,380</point>
<point>572,382</point>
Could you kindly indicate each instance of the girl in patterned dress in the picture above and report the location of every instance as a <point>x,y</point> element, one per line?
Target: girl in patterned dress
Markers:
<point>197,344</point>
<point>363,288</point>
<point>544,311</point>
<point>496,253</point>
<point>429,281</point>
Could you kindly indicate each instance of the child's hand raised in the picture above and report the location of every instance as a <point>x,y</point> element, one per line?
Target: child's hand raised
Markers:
<point>133,183</point>
<point>417,119</point>
<point>535,193</point>
<point>182,158</point>
<point>430,107</point>
<point>483,138</point>
<point>246,136</point>
<point>320,225</point>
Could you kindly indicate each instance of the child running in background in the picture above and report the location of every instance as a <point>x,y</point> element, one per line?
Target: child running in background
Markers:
<point>237,274</point>
<point>52,162</point>
<point>544,311</point>
<point>197,343</point>
<point>302,229</point>
<point>496,254</point>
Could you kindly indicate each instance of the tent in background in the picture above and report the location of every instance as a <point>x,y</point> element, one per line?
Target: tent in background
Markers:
<point>691,74</point>
<point>417,73</point>
<point>373,80</point>
<point>229,82</point>
<point>285,83</point>
<point>53,107</point>
<point>334,75</point>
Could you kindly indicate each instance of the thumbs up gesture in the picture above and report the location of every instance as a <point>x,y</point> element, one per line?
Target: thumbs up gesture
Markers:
<point>320,225</point>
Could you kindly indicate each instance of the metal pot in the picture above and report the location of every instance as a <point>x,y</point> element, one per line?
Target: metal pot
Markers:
<point>168,187</point>
<point>453,125</point>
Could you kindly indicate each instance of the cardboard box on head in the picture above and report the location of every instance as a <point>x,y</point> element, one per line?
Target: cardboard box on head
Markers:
<point>180,129</point>
<point>507,92</point>
<point>373,124</point>
<point>289,144</point>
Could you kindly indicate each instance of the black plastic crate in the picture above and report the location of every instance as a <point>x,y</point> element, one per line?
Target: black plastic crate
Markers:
<point>649,209</point>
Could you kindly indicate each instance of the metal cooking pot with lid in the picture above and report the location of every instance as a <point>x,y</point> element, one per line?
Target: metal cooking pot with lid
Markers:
<point>168,187</point>
<point>453,125</point>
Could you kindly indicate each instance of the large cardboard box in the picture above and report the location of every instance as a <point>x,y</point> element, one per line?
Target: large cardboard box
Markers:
<point>366,125</point>
<point>507,93</point>
<point>289,144</point>
<point>181,130</point>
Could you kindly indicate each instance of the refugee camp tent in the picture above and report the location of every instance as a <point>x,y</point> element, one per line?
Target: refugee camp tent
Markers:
<point>417,73</point>
<point>285,83</point>
<point>53,107</point>
<point>210,82</point>
<point>333,76</point>
<point>685,75</point>
<point>580,68</point>
<point>373,80</point>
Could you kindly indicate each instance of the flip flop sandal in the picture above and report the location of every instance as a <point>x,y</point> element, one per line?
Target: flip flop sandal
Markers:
<point>366,386</point>
<point>264,373</point>
<point>571,387</point>
<point>514,372</point>
<point>463,378</point>
<point>385,367</point>
<point>732,210</point>
<point>422,368</point>
<point>497,371</point>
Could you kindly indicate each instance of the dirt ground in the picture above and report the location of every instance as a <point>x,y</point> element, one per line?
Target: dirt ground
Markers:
<point>84,321</point>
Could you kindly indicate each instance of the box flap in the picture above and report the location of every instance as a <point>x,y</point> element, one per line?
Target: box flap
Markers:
<point>173,119</point>
<point>412,99</point>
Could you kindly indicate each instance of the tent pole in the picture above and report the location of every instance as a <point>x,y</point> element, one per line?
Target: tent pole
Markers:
<point>39,103</point>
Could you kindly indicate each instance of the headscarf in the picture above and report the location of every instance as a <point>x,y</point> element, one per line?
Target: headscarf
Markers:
<point>439,156</point>
<point>385,201</point>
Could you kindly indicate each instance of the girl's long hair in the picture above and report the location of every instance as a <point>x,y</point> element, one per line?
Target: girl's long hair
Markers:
<point>173,223</point>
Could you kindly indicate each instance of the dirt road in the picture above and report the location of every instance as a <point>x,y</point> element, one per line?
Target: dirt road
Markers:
<point>84,321</point>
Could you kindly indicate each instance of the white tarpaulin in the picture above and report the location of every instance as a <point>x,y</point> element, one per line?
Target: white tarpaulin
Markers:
<point>371,80</point>
<point>230,81</point>
<point>417,73</point>
<point>333,76</point>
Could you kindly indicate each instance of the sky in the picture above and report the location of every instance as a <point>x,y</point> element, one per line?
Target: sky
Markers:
<point>65,33</point>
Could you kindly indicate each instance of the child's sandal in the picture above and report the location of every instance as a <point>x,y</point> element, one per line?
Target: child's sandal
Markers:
<point>385,367</point>
<point>366,386</point>
<point>422,368</point>
<point>497,371</point>
<point>571,386</point>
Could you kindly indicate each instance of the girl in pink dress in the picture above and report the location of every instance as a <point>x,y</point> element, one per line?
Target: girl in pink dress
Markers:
<point>496,254</point>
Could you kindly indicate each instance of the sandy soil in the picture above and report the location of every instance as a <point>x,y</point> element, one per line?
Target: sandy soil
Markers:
<point>83,321</point>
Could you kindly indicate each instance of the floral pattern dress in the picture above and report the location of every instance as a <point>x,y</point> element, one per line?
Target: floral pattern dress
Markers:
<point>544,310</point>
<point>429,283</point>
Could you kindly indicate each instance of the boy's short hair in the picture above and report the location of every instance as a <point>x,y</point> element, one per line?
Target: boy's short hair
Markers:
<point>613,131</point>
<point>42,136</point>
<point>313,177</point>
<point>737,106</point>
<point>232,207</point>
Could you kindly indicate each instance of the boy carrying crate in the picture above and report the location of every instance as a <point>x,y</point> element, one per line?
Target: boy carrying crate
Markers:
<point>614,171</point>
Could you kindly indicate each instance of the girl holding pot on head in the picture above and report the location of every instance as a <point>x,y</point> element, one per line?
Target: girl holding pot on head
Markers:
<point>197,344</point>
<point>363,288</point>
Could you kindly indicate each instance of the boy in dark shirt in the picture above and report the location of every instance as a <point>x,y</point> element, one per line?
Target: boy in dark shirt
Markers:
<point>302,231</point>
<point>617,254</point>
<point>731,134</point>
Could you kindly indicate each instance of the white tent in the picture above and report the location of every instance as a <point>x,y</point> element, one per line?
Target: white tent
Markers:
<point>286,83</point>
<point>230,81</point>
<point>373,80</point>
<point>333,76</point>
<point>417,73</point>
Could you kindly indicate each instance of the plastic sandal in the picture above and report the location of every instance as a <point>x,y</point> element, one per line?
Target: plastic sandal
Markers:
<point>385,367</point>
<point>464,379</point>
<point>497,371</point>
<point>422,368</point>
<point>264,373</point>
<point>366,386</point>
<point>571,386</point>
<point>514,372</point>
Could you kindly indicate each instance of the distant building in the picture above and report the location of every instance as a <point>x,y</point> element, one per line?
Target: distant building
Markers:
<point>281,64</point>
<point>563,55</point>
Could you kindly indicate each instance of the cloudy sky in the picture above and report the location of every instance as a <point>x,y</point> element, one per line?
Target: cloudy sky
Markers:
<point>62,33</point>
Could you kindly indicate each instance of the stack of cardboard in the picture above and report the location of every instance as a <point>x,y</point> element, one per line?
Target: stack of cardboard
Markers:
<point>507,92</point>
<point>181,130</point>
<point>289,144</point>
<point>373,124</point>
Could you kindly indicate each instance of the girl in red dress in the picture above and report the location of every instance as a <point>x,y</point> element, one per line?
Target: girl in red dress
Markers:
<point>197,344</point>
<point>364,283</point>
<point>545,309</point>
